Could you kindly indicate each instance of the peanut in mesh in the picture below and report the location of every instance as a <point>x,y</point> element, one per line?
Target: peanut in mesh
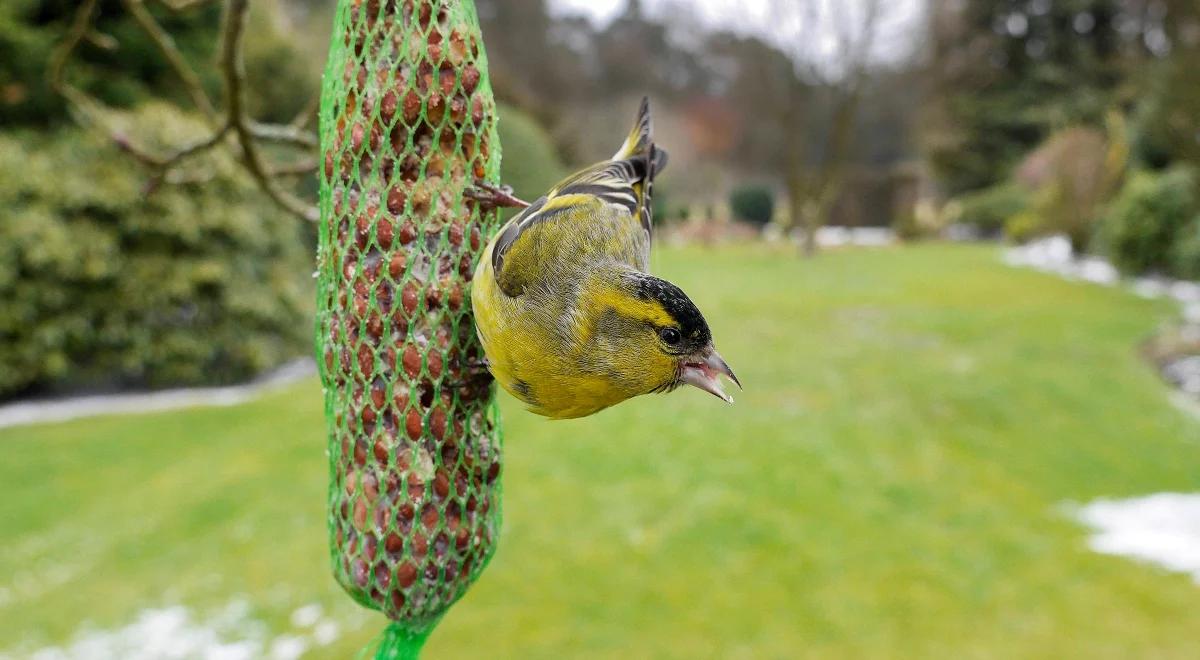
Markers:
<point>415,454</point>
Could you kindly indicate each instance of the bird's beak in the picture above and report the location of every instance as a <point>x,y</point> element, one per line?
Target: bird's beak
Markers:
<point>704,368</point>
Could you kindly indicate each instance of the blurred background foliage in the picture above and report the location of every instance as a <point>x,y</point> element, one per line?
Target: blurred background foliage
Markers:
<point>530,164</point>
<point>104,287</point>
<point>109,282</point>
<point>754,204</point>
<point>1147,222</point>
<point>1074,117</point>
<point>1010,118</point>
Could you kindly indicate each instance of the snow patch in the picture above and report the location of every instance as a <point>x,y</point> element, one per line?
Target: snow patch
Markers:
<point>325,632</point>
<point>1054,255</point>
<point>1161,529</point>
<point>306,616</point>
<point>832,236</point>
<point>173,632</point>
<point>288,647</point>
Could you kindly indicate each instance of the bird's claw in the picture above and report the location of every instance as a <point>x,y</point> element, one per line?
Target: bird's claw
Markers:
<point>492,196</point>
<point>475,373</point>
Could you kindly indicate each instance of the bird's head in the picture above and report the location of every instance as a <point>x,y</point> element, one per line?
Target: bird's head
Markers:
<point>655,339</point>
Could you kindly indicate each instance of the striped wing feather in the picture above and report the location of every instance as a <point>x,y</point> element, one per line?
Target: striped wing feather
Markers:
<point>622,185</point>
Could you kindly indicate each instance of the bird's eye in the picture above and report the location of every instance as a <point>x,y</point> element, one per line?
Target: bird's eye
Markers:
<point>670,335</point>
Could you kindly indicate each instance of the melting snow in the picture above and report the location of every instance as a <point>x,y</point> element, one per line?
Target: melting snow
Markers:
<point>306,616</point>
<point>173,633</point>
<point>860,236</point>
<point>325,632</point>
<point>1054,255</point>
<point>1161,529</point>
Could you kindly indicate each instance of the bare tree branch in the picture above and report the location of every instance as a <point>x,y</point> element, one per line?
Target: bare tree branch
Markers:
<point>308,113</point>
<point>182,5</point>
<point>233,69</point>
<point>298,168</point>
<point>80,26</point>
<point>814,188</point>
<point>137,8</point>
<point>101,40</point>
<point>235,120</point>
<point>283,134</point>
<point>168,161</point>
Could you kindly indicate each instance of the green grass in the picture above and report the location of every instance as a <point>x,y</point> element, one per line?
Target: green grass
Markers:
<point>888,485</point>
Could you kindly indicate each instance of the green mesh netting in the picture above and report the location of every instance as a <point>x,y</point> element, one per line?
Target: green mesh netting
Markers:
<point>407,125</point>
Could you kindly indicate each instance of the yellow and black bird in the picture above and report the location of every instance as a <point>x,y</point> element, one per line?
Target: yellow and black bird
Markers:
<point>569,316</point>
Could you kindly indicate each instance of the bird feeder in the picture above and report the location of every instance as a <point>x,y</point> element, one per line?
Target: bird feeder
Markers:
<point>408,125</point>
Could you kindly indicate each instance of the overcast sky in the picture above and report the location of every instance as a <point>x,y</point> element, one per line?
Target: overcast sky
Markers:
<point>896,35</point>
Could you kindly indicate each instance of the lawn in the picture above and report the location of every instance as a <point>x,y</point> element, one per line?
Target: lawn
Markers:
<point>890,484</point>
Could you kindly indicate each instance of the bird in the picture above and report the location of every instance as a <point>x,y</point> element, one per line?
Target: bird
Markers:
<point>569,317</point>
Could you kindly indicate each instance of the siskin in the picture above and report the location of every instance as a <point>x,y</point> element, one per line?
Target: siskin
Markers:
<point>570,319</point>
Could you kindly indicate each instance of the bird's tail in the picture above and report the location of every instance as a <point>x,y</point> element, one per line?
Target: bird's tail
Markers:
<point>640,141</point>
<point>647,160</point>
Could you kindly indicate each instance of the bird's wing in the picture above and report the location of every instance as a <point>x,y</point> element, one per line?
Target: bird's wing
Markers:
<point>607,191</point>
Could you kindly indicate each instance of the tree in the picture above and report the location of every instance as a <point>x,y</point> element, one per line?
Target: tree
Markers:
<point>1007,73</point>
<point>1167,120</point>
<point>815,173</point>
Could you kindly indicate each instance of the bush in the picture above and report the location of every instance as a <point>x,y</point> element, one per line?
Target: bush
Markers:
<point>30,30</point>
<point>1147,217</point>
<point>103,286</point>
<point>530,164</point>
<point>1151,144</point>
<point>989,209</point>
<point>1024,226</point>
<point>1074,173</point>
<point>907,227</point>
<point>753,204</point>
<point>1165,122</point>
<point>661,210</point>
<point>283,73</point>
<point>1185,253</point>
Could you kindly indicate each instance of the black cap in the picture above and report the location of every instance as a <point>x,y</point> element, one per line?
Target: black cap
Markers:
<point>692,325</point>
